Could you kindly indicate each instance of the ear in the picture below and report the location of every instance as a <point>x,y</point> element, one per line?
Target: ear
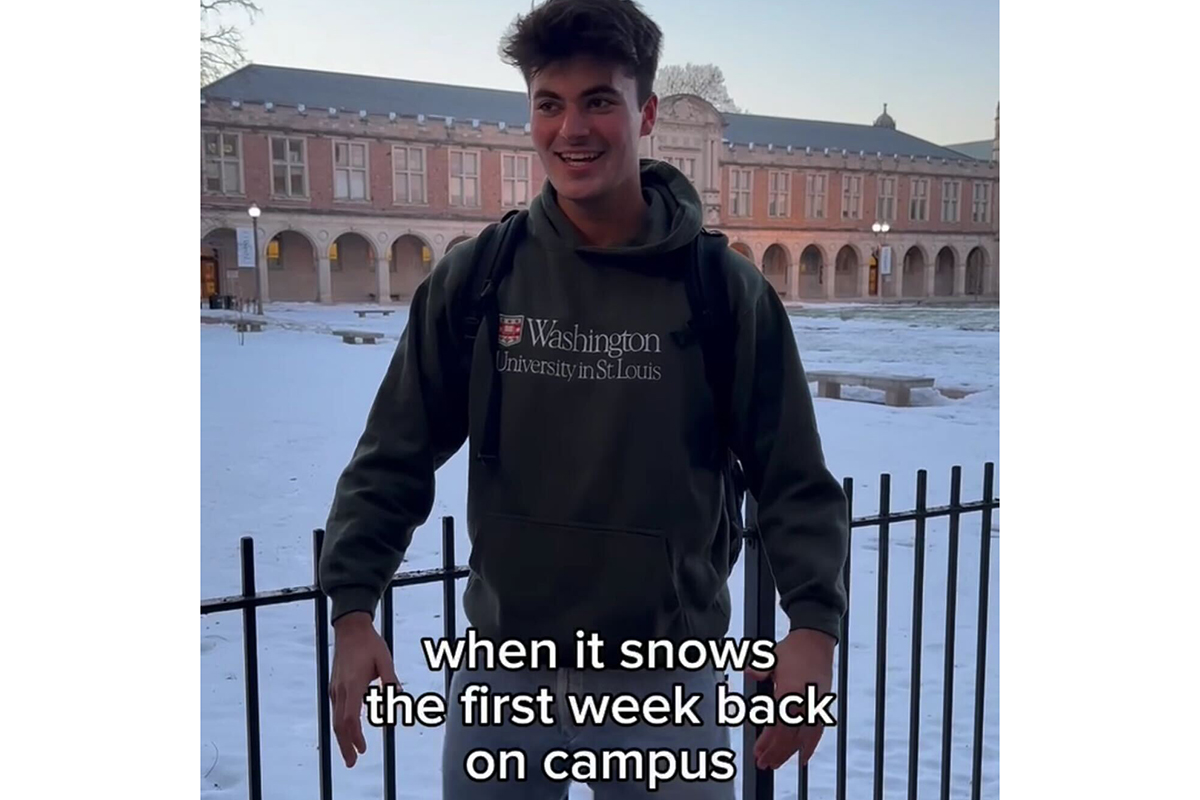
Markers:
<point>649,115</point>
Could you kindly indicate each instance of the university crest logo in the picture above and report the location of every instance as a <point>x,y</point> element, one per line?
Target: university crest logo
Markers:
<point>511,328</point>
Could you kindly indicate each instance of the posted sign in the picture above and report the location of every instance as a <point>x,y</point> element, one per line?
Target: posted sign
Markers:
<point>885,260</point>
<point>245,247</point>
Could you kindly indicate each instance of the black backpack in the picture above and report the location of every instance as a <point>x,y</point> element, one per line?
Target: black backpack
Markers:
<point>711,325</point>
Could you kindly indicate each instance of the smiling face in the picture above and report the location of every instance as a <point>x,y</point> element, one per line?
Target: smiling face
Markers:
<point>585,123</point>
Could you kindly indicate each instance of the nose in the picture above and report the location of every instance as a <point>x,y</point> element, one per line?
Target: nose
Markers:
<point>574,124</point>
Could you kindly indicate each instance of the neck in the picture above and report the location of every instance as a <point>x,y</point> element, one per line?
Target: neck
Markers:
<point>608,221</point>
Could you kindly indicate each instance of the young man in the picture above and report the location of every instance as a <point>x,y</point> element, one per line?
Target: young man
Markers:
<point>596,494</point>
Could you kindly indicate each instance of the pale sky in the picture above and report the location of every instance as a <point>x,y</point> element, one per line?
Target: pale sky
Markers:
<point>936,63</point>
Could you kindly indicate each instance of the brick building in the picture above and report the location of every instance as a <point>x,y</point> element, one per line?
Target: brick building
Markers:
<point>364,183</point>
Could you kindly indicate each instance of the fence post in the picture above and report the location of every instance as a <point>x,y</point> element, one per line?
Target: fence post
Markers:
<point>759,623</point>
<point>449,623</point>
<point>985,550</point>
<point>881,621</point>
<point>321,622</point>
<point>250,653</point>
<point>951,616</point>
<point>387,616</point>
<point>918,611</point>
<point>843,690</point>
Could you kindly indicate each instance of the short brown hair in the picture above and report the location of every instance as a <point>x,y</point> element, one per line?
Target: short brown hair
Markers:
<point>615,31</point>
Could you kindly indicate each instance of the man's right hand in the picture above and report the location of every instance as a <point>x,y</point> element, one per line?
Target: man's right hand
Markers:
<point>359,657</point>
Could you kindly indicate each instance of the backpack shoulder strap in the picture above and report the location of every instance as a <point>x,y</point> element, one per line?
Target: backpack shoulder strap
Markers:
<point>494,249</point>
<point>712,319</point>
<point>713,325</point>
<point>493,260</point>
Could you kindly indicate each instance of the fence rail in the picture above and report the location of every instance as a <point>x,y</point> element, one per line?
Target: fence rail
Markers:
<point>759,622</point>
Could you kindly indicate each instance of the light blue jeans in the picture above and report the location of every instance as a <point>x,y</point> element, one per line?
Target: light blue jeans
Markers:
<point>537,740</point>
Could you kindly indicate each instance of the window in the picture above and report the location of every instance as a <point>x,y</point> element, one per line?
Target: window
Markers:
<point>885,205</point>
<point>274,257</point>
<point>814,200</point>
<point>779,194</point>
<point>349,170</point>
<point>851,197</point>
<point>739,192</point>
<point>918,204</point>
<point>514,180</point>
<point>979,202</point>
<point>464,179</point>
<point>949,201</point>
<point>685,165</point>
<point>288,175</point>
<point>408,174</point>
<point>222,165</point>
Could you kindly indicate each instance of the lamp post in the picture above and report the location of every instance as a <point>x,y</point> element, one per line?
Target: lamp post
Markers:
<point>255,212</point>
<point>880,229</point>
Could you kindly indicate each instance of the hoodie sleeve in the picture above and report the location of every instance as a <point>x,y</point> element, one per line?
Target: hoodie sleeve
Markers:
<point>802,514</point>
<point>417,422</point>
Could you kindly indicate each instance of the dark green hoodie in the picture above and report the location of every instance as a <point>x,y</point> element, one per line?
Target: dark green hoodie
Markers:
<point>604,508</point>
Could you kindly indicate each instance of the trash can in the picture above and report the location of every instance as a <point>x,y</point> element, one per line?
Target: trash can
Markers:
<point>214,301</point>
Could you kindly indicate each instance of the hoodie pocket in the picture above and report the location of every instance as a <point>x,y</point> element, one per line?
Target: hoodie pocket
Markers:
<point>546,580</point>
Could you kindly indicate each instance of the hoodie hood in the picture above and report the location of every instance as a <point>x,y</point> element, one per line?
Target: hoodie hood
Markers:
<point>673,221</point>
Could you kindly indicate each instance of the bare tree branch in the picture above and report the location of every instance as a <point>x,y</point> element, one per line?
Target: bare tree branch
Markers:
<point>221,49</point>
<point>216,5</point>
<point>705,80</point>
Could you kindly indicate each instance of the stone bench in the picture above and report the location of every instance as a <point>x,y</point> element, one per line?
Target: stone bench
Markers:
<point>897,388</point>
<point>362,312</point>
<point>353,337</point>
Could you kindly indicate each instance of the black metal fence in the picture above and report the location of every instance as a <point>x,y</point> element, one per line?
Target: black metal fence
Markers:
<point>760,605</point>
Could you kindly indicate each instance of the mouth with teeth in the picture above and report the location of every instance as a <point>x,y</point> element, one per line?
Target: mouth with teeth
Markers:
<point>578,159</point>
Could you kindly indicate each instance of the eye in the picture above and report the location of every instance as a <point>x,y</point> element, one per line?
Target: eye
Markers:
<point>545,106</point>
<point>606,102</point>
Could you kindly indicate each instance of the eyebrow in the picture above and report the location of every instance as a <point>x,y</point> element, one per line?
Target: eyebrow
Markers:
<point>602,88</point>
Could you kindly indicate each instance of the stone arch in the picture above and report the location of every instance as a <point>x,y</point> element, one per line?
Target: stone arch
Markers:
<point>775,267</point>
<point>271,233</point>
<point>420,237</point>
<point>915,263</point>
<point>352,265</point>
<point>943,276</point>
<point>290,259</point>
<point>846,269</point>
<point>211,228</point>
<point>977,269</point>
<point>410,259</point>
<point>922,250</point>
<point>745,250</point>
<point>812,272</point>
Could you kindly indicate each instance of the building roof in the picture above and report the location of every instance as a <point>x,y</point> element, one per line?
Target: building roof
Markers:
<point>801,133</point>
<point>981,150</point>
<point>288,86</point>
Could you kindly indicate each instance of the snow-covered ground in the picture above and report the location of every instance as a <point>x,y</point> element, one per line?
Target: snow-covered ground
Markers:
<point>281,413</point>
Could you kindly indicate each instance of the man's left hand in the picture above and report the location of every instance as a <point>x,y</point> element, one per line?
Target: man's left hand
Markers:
<point>803,657</point>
